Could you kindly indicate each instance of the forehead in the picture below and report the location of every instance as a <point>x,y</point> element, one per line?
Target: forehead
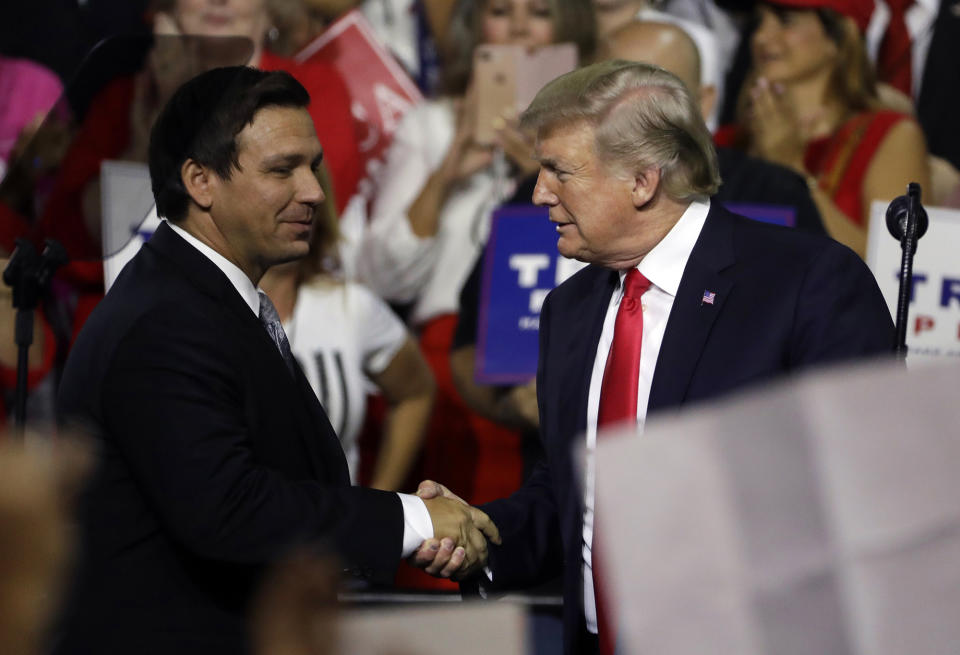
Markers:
<point>566,142</point>
<point>276,129</point>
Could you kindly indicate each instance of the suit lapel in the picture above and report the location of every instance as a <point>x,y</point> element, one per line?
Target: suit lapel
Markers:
<point>315,434</point>
<point>692,318</point>
<point>585,321</point>
<point>318,436</point>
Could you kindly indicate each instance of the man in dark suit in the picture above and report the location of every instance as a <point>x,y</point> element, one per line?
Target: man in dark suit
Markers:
<point>683,301</point>
<point>214,455</point>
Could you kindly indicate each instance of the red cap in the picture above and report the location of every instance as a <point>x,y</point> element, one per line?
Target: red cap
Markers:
<point>859,10</point>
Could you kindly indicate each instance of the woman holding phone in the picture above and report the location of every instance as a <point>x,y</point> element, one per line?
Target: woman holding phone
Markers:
<point>431,215</point>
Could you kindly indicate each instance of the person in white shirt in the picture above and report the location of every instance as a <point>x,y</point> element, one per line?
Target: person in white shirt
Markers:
<point>349,342</point>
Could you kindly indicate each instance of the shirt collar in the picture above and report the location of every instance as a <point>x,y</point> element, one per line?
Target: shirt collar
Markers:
<point>664,265</point>
<point>237,278</point>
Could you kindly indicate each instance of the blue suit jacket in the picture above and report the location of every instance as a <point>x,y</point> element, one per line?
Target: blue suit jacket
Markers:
<point>784,301</point>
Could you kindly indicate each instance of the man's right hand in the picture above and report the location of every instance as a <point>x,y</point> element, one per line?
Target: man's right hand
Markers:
<point>459,546</point>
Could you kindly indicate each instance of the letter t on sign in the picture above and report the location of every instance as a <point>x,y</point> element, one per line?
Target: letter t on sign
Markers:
<point>528,268</point>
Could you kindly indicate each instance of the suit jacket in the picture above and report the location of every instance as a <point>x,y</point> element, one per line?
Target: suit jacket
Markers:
<point>784,301</point>
<point>939,99</point>
<point>212,461</point>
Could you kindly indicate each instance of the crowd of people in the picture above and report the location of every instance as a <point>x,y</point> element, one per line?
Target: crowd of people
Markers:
<point>821,106</point>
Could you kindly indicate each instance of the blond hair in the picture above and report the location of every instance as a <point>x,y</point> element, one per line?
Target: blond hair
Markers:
<point>643,117</point>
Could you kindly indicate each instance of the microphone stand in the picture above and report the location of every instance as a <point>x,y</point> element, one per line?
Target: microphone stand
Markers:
<point>29,275</point>
<point>907,221</point>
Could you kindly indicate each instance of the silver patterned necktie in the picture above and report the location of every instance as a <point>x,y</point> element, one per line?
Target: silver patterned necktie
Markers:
<point>271,321</point>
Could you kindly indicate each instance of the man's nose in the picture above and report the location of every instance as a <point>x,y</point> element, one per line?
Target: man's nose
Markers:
<point>311,191</point>
<point>542,196</point>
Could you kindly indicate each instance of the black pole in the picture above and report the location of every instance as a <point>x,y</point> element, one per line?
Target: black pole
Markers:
<point>907,221</point>
<point>29,275</point>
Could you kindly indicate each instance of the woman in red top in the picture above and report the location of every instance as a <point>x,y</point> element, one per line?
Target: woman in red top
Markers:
<point>811,104</point>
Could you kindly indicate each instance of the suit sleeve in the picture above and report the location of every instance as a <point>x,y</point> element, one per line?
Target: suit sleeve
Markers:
<point>840,311</point>
<point>528,520</point>
<point>179,418</point>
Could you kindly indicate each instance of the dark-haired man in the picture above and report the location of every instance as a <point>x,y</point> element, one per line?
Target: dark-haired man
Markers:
<point>215,455</point>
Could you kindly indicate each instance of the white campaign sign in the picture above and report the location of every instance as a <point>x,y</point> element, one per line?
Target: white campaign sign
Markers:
<point>933,329</point>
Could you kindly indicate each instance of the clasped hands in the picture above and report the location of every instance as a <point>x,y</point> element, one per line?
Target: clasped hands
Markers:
<point>461,533</point>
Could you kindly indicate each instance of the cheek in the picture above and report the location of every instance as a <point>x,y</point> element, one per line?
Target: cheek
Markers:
<point>541,32</point>
<point>188,15</point>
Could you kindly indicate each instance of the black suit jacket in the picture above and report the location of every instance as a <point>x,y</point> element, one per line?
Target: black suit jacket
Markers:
<point>784,301</point>
<point>939,100</point>
<point>212,461</point>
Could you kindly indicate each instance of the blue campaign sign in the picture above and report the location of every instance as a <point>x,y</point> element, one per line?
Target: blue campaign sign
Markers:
<point>521,266</point>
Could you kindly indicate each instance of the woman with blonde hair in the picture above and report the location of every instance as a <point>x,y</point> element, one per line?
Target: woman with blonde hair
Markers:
<point>811,104</point>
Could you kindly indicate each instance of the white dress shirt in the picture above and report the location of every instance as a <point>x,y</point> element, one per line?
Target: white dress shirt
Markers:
<point>919,18</point>
<point>663,266</point>
<point>417,525</point>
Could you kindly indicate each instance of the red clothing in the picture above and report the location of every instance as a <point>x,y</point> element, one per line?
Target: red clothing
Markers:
<point>330,110</point>
<point>476,458</point>
<point>840,161</point>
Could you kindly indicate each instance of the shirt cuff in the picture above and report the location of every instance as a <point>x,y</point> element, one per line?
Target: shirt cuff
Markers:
<point>417,524</point>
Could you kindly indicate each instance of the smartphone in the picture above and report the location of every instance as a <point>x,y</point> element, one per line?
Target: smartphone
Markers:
<point>509,76</point>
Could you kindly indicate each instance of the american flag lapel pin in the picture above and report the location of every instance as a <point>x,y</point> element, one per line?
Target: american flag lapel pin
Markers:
<point>708,298</point>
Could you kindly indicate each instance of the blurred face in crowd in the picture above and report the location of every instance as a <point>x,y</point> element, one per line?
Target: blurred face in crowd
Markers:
<point>590,203</point>
<point>517,22</point>
<point>612,14</point>
<point>265,210</point>
<point>247,18</point>
<point>792,46</point>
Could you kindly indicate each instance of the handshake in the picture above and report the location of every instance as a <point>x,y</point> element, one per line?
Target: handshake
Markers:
<point>461,532</point>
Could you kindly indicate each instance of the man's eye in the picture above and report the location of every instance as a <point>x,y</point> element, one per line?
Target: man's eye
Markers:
<point>282,170</point>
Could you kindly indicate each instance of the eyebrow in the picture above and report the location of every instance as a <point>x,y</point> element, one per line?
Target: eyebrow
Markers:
<point>291,159</point>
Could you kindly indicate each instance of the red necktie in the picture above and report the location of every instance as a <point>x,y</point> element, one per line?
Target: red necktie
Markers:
<point>894,63</point>
<point>618,403</point>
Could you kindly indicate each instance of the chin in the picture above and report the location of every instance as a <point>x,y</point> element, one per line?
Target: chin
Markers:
<point>292,254</point>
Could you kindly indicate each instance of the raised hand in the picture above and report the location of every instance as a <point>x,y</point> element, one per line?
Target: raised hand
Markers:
<point>777,132</point>
<point>516,144</point>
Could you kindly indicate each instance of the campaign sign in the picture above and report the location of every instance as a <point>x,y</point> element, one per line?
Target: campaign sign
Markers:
<point>381,92</point>
<point>933,320</point>
<point>784,215</point>
<point>521,265</point>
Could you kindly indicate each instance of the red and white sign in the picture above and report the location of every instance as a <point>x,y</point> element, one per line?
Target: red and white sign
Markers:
<point>381,92</point>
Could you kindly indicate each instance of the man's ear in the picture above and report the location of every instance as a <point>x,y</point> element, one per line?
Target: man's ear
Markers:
<point>645,185</point>
<point>708,98</point>
<point>198,181</point>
